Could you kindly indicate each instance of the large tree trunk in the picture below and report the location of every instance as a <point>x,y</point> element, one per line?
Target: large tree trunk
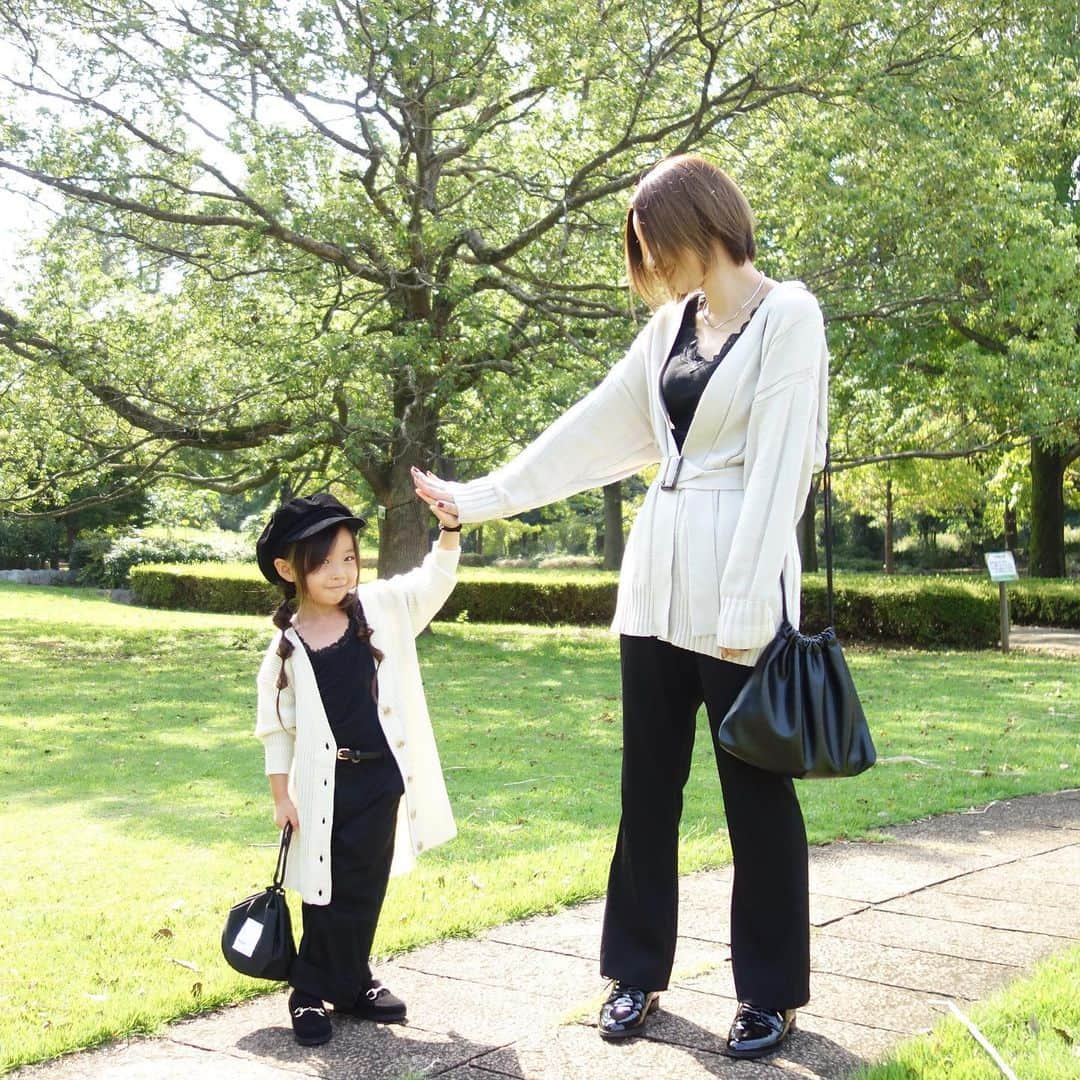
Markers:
<point>806,531</point>
<point>613,526</point>
<point>405,522</point>
<point>405,528</point>
<point>1012,538</point>
<point>1046,554</point>
<point>890,564</point>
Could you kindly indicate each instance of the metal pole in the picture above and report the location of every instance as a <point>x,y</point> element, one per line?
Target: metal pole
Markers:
<point>1003,596</point>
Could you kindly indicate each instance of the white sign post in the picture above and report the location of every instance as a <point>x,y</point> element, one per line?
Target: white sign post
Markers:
<point>1002,567</point>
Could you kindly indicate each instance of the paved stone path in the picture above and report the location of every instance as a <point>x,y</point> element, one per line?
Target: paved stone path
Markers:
<point>1045,639</point>
<point>951,907</point>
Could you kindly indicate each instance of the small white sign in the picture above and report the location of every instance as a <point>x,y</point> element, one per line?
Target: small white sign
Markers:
<point>248,937</point>
<point>1002,566</point>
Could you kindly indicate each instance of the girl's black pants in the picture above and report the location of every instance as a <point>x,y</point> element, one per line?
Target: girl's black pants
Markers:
<point>663,688</point>
<point>332,960</point>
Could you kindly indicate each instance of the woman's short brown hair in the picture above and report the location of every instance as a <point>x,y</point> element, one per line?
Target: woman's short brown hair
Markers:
<point>685,204</point>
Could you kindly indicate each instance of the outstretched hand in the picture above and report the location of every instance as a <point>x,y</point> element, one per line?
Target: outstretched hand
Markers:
<point>436,494</point>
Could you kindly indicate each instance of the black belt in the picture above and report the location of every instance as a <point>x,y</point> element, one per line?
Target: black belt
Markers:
<point>354,756</point>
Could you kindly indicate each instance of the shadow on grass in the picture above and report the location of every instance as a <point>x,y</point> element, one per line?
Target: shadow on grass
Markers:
<point>155,728</point>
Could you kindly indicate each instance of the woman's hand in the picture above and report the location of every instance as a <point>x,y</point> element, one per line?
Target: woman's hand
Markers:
<point>732,654</point>
<point>285,814</point>
<point>436,493</point>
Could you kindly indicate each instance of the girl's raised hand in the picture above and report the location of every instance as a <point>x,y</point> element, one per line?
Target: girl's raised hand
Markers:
<point>436,493</point>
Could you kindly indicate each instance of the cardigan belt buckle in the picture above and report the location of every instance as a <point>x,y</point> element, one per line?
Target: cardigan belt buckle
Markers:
<point>670,478</point>
<point>353,756</point>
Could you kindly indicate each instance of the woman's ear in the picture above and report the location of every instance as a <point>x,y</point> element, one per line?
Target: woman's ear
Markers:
<point>285,570</point>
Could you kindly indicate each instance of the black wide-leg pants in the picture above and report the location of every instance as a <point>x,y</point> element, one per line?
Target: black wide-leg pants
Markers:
<point>663,688</point>
<point>332,960</point>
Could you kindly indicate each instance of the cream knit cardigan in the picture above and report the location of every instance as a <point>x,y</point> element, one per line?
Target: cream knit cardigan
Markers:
<point>397,609</point>
<point>703,561</point>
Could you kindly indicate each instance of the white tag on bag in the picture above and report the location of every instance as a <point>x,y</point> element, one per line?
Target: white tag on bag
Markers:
<point>248,937</point>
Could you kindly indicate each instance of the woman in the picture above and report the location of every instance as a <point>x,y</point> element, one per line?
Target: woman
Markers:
<point>726,387</point>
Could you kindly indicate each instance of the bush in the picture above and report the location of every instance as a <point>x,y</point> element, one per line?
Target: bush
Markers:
<point>105,559</point>
<point>29,543</point>
<point>531,601</point>
<point>919,611</point>
<point>227,590</point>
<point>1045,602</point>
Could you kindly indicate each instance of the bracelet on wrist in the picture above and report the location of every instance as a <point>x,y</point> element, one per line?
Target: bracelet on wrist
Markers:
<point>449,528</point>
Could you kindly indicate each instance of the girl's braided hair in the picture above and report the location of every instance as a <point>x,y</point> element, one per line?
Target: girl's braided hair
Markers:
<point>304,556</point>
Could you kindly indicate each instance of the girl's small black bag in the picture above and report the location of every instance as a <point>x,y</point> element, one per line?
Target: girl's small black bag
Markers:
<point>258,939</point>
<point>799,714</point>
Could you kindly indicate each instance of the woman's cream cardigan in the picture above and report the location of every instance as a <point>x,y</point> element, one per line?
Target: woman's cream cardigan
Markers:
<point>703,561</point>
<point>301,744</point>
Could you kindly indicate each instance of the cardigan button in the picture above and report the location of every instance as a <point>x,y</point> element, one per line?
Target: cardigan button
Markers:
<point>400,744</point>
<point>412,814</point>
<point>419,847</point>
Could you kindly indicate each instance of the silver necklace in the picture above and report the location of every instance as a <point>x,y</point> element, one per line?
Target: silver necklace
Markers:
<point>745,304</point>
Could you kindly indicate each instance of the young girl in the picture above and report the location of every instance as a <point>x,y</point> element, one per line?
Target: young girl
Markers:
<point>346,734</point>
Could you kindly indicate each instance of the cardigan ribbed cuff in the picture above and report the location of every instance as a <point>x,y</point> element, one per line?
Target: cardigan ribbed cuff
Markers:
<point>446,559</point>
<point>745,623</point>
<point>478,500</point>
<point>278,751</point>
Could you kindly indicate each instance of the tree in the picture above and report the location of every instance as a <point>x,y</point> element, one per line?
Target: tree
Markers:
<point>387,210</point>
<point>943,224</point>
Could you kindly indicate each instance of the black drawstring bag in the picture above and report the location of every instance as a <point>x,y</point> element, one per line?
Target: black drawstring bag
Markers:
<point>799,713</point>
<point>257,939</point>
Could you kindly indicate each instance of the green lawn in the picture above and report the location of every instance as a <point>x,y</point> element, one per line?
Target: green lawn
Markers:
<point>134,810</point>
<point>1034,1025</point>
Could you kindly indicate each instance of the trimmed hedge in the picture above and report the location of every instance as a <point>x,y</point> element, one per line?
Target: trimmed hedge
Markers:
<point>922,611</point>
<point>1045,602</point>
<point>579,603</point>
<point>236,591</point>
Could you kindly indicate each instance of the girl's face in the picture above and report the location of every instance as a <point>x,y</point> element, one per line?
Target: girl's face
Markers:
<point>682,276</point>
<point>326,583</point>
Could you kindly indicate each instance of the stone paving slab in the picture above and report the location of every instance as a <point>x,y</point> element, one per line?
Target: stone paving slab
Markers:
<point>698,1017</point>
<point>875,873</point>
<point>159,1059</point>
<point>826,909</point>
<point>946,938</point>
<point>1046,639</point>
<point>375,1052</point>
<point>1014,881</point>
<point>928,972</point>
<point>888,1008</point>
<point>999,914</point>
<point>553,933</point>
<point>997,841</point>
<point>576,1053</point>
<point>493,965</point>
<point>1062,867</point>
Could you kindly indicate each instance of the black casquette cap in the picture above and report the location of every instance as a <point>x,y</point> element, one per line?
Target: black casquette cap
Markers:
<point>298,519</point>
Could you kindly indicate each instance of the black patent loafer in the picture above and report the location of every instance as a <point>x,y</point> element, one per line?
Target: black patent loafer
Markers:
<point>626,1010</point>
<point>756,1031</point>
<point>310,1024</point>
<point>376,1003</point>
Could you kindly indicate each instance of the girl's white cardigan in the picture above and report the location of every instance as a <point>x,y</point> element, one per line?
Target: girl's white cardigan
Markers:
<point>301,744</point>
<point>702,564</point>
